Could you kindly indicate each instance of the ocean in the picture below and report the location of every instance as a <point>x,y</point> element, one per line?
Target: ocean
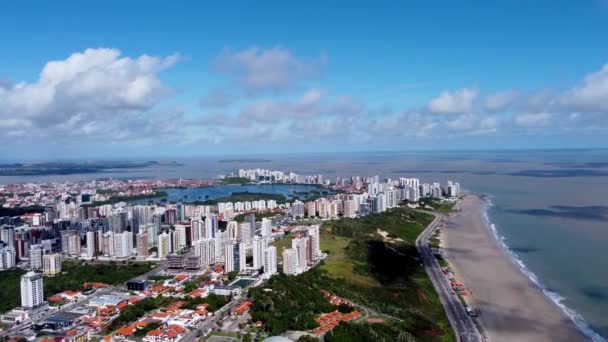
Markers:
<point>548,208</point>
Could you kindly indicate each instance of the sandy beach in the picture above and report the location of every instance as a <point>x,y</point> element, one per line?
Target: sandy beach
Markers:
<point>511,307</point>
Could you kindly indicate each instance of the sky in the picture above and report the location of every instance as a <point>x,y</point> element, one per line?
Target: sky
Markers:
<point>160,79</point>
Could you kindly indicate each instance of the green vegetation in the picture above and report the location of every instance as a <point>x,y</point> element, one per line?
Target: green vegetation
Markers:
<point>244,196</point>
<point>292,304</point>
<point>10,285</point>
<point>136,311</point>
<point>159,278</point>
<point>74,274</point>
<point>117,199</point>
<point>215,302</point>
<point>232,275</point>
<point>235,180</point>
<point>373,261</point>
<point>339,265</point>
<point>308,338</point>
<point>145,330</point>
<point>351,332</point>
<point>258,216</point>
<point>65,168</point>
<point>281,244</point>
<point>104,191</point>
<point>18,211</point>
<point>224,333</point>
<point>437,205</point>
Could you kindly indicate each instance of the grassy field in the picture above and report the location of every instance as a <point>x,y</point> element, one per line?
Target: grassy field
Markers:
<point>384,272</point>
<point>339,265</point>
<point>284,242</point>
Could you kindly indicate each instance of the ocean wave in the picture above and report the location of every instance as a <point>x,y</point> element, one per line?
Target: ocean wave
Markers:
<point>556,298</point>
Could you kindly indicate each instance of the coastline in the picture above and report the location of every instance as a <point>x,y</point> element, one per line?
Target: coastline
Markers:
<point>513,305</point>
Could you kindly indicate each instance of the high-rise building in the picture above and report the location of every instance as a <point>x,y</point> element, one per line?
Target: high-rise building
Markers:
<point>92,243</point>
<point>142,245</point>
<point>182,233</point>
<point>233,230</point>
<point>164,245</point>
<point>70,242</point>
<point>259,247</point>
<point>290,261</point>
<point>299,246</point>
<point>123,244</point>
<point>266,227</point>
<point>51,264</point>
<point>7,258</point>
<point>297,209</point>
<point>244,231</point>
<point>234,256</point>
<point>270,261</point>
<point>205,250</point>
<point>7,235</point>
<point>32,295</point>
<point>210,226</point>
<point>108,243</point>
<point>36,252</point>
<point>251,220</point>
<point>315,242</point>
<point>311,209</point>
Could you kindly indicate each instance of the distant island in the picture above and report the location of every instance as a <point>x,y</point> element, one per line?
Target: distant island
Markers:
<point>69,168</point>
<point>244,161</point>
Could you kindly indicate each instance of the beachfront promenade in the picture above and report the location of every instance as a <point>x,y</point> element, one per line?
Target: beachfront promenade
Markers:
<point>461,322</point>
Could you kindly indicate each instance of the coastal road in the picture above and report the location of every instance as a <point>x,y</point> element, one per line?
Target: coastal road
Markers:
<point>463,325</point>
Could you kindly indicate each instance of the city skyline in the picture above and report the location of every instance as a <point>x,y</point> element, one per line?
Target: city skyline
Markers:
<point>182,81</point>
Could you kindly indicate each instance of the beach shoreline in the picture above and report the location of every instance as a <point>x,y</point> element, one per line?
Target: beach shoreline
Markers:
<point>511,306</point>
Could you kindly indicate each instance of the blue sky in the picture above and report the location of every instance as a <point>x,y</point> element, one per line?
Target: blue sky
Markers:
<point>252,77</point>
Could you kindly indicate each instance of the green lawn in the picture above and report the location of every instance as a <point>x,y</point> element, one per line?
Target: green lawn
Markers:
<point>282,243</point>
<point>338,264</point>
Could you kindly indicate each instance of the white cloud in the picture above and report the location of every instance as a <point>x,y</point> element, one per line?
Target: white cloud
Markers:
<point>591,95</point>
<point>216,98</point>
<point>533,119</point>
<point>89,91</point>
<point>456,102</point>
<point>500,101</point>
<point>258,70</point>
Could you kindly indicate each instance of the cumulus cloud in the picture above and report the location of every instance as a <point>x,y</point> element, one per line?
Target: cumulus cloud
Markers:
<point>533,119</point>
<point>86,92</point>
<point>500,101</point>
<point>259,70</point>
<point>217,98</point>
<point>591,94</point>
<point>455,102</point>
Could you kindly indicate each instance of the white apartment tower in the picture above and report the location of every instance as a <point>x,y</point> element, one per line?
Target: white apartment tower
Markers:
<point>205,250</point>
<point>299,246</point>
<point>51,264</point>
<point>266,227</point>
<point>32,295</point>
<point>259,247</point>
<point>270,261</point>
<point>290,261</point>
